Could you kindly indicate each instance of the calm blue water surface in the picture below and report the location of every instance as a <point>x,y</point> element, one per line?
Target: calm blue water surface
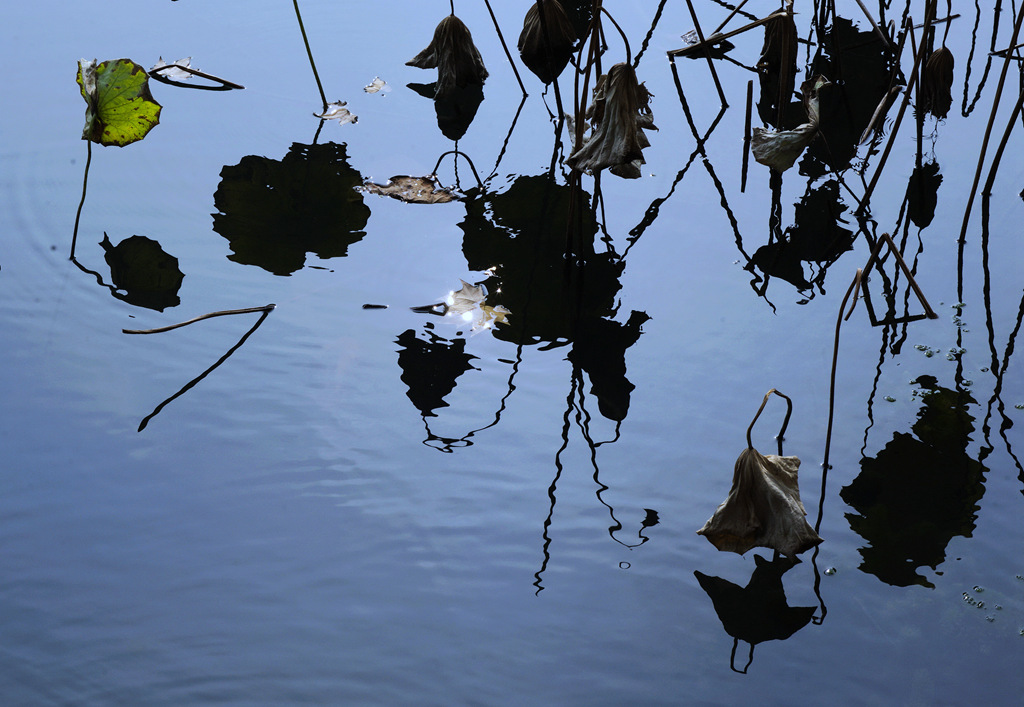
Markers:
<point>386,506</point>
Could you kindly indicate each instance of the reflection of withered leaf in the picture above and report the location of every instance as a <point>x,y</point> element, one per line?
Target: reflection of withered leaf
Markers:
<point>141,269</point>
<point>412,190</point>
<point>763,508</point>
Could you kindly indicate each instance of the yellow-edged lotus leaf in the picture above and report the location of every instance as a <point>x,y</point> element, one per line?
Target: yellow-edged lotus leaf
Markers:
<point>120,109</point>
<point>763,508</point>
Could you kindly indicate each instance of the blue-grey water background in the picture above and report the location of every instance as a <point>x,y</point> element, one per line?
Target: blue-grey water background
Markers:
<point>287,530</point>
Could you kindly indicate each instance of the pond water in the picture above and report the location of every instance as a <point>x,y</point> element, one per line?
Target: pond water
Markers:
<point>386,505</point>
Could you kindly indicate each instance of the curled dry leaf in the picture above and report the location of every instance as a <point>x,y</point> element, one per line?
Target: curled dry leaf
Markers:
<point>619,114</point>
<point>763,508</point>
<point>413,190</point>
<point>170,71</point>
<point>779,149</point>
<point>338,111</point>
<point>378,84</point>
<point>454,55</point>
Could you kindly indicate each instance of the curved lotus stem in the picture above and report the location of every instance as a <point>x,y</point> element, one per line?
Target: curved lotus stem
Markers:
<point>785,422</point>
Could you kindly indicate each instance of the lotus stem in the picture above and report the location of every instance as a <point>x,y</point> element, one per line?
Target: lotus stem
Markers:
<point>504,46</point>
<point>85,182</point>
<point>785,422</point>
<point>309,53</point>
<point>266,309</point>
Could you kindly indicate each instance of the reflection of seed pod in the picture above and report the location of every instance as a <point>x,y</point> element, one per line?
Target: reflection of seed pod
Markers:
<point>937,82</point>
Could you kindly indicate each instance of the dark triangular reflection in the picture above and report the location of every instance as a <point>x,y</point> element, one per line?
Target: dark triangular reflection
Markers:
<point>455,109</point>
<point>923,194</point>
<point>758,612</point>
<point>143,273</point>
<point>859,68</point>
<point>521,237</point>
<point>918,492</point>
<point>430,367</point>
<point>274,212</point>
<point>816,238</point>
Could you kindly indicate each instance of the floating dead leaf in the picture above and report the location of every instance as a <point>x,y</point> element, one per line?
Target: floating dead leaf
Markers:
<point>337,111</point>
<point>171,71</point>
<point>412,190</point>
<point>377,85</point>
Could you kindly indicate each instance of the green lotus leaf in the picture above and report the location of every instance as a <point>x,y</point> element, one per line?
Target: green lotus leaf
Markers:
<point>120,109</point>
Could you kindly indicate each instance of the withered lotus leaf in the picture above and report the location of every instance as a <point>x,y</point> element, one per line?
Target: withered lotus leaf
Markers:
<point>547,40</point>
<point>763,508</point>
<point>780,149</point>
<point>619,113</point>
<point>412,190</point>
<point>453,54</point>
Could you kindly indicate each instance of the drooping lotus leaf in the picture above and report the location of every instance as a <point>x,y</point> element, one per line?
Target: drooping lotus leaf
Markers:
<point>763,508</point>
<point>453,54</point>
<point>937,82</point>
<point>546,42</point>
<point>148,276</point>
<point>779,149</point>
<point>120,109</point>
<point>619,113</point>
<point>273,212</point>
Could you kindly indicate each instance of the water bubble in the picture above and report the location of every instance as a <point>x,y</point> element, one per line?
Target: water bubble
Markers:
<point>1019,406</point>
<point>890,399</point>
<point>624,565</point>
<point>920,347</point>
<point>978,589</point>
<point>929,353</point>
<point>829,571</point>
<point>980,605</point>
<point>990,618</point>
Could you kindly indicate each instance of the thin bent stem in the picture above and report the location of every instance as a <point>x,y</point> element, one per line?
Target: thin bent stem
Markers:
<point>85,182</point>
<point>504,46</point>
<point>785,422</point>
<point>266,309</point>
<point>309,53</point>
<point>625,41</point>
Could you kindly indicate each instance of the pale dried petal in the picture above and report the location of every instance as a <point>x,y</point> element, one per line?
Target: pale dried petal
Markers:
<point>763,508</point>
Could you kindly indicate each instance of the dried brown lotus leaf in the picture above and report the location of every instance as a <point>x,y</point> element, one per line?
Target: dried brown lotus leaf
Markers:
<point>453,54</point>
<point>763,508</point>
<point>412,190</point>
<point>547,41</point>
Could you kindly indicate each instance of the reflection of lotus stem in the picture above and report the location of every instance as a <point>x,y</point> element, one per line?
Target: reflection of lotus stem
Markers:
<point>785,422</point>
<point>855,285</point>
<point>266,309</point>
<point>707,53</point>
<point>501,38</point>
<point>464,156</point>
<point>988,128</point>
<point>225,85</point>
<point>85,182</point>
<point>309,53</point>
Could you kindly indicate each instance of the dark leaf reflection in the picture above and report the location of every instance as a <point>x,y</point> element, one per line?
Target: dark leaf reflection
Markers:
<point>143,273</point>
<point>274,212</point>
<point>758,612</point>
<point>919,492</point>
